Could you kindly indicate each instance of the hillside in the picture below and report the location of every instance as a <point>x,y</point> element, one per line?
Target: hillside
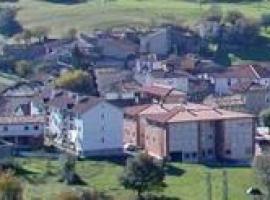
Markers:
<point>94,14</point>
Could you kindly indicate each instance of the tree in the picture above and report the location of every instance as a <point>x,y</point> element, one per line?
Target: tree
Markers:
<point>77,81</point>
<point>10,187</point>
<point>23,68</point>
<point>142,174</point>
<point>68,164</point>
<point>265,115</point>
<point>72,33</point>
<point>265,20</point>
<point>8,23</point>
<point>40,32</point>
<point>232,16</point>
<point>214,13</point>
<point>262,166</point>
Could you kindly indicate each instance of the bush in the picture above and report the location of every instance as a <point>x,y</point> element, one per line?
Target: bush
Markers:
<point>23,68</point>
<point>76,81</point>
<point>8,23</point>
<point>10,187</point>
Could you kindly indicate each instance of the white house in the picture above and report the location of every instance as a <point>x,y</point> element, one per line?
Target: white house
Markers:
<point>22,131</point>
<point>240,74</point>
<point>88,126</point>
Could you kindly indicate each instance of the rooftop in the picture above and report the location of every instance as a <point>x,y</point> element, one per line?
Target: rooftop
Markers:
<point>21,120</point>
<point>175,113</point>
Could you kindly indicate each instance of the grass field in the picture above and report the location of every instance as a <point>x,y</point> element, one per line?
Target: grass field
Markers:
<point>93,14</point>
<point>184,180</point>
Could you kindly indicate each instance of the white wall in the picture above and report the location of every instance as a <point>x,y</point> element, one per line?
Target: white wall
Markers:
<point>238,136</point>
<point>19,130</point>
<point>102,128</point>
<point>184,138</point>
<point>177,83</point>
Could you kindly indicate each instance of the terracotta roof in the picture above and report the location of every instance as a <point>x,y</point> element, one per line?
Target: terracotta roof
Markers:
<point>174,113</point>
<point>169,74</point>
<point>188,114</point>
<point>21,120</point>
<point>64,99</point>
<point>246,86</point>
<point>252,71</point>
<point>161,91</point>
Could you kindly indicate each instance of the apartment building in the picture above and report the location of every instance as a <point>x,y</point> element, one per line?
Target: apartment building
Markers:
<point>190,132</point>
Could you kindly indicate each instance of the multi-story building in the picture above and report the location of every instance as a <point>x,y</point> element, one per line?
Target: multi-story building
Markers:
<point>84,125</point>
<point>190,132</point>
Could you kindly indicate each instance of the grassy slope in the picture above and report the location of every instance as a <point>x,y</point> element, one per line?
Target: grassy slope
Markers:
<point>103,175</point>
<point>86,16</point>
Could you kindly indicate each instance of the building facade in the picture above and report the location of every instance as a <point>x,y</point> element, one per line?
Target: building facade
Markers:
<point>190,132</point>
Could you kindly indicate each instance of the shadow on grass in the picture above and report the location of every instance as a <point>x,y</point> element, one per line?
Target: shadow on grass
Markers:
<point>174,171</point>
<point>66,2</point>
<point>118,160</point>
<point>226,164</point>
<point>162,197</point>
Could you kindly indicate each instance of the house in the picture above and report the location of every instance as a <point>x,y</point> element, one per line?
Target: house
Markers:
<point>84,125</point>
<point>176,79</point>
<point>25,132</point>
<point>113,84</point>
<point>190,132</point>
<point>157,41</point>
<point>256,95</point>
<point>22,121</point>
<point>121,49</point>
<point>162,93</point>
<point>240,74</point>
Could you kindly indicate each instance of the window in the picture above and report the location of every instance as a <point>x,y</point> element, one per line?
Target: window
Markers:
<point>210,137</point>
<point>194,155</point>
<point>229,82</point>
<point>186,155</point>
<point>36,127</point>
<point>228,152</point>
<point>26,128</point>
<point>210,152</point>
<point>203,153</point>
<point>102,116</point>
<point>5,128</point>
<point>154,139</point>
<point>102,139</point>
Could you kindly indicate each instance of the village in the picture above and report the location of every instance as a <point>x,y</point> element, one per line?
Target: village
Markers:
<point>146,91</point>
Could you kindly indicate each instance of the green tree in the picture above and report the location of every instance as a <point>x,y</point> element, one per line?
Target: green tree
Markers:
<point>23,68</point>
<point>68,164</point>
<point>72,33</point>
<point>232,16</point>
<point>8,23</point>
<point>265,115</point>
<point>77,81</point>
<point>10,187</point>
<point>143,174</point>
<point>265,20</point>
<point>40,33</point>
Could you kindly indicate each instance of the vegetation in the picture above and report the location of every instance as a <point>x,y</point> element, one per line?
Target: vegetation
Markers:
<point>142,174</point>
<point>23,68</point>
<point>10,187</point>
<point>182,180</point>
<point>262,166</point>
<point>8,23</point>
<point>93,14</point>
<point>76,80</point>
